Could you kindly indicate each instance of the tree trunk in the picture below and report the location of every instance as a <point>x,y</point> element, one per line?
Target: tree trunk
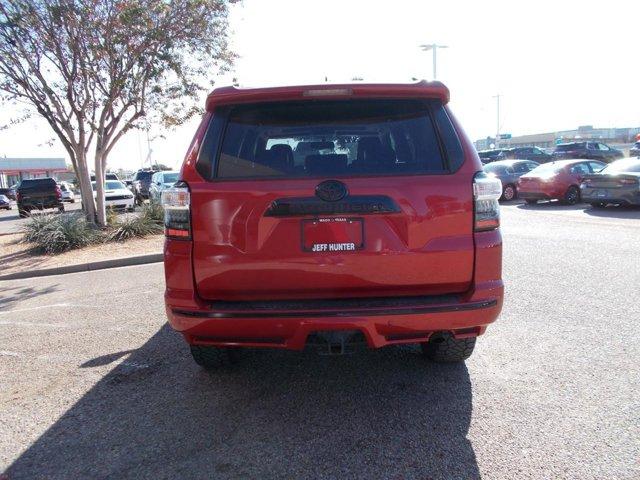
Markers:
<point>86,192</point>
<point>101,210</point>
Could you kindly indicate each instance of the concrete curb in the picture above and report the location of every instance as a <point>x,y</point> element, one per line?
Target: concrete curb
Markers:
<point>87,267</point>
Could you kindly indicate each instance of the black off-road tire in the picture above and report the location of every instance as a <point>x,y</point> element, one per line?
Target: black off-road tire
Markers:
<point>211,358</point>
<point>444,348</point>
<point>23,213</point>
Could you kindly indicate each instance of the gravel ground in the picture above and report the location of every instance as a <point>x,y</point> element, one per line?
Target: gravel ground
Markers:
<point>16,257</point>
<point>93,384</point>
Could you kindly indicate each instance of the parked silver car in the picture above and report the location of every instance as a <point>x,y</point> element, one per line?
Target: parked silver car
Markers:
<point>508,172</point>
<point>161,181</point>
<point>68,195</point>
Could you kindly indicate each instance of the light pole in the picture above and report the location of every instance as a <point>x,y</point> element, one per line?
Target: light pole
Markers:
<point>434,47</point>
<point>497,97</point>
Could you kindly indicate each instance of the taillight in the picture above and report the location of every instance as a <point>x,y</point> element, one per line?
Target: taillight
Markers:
<point>176,202</point>
<point>627,181</point>
<point>58,192</point>
<point>486,192</point>
<point>18,196</point>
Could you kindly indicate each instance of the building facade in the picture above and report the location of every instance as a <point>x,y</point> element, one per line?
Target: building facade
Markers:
<point>612,136</point>
<point>12,170</point>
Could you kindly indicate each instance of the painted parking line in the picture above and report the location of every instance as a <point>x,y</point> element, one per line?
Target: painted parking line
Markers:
<point>42,307</point>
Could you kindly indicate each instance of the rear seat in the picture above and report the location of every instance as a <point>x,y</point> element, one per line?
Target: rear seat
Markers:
<point>279,157</point>
<point>373,156</point>
<point>332,163</point>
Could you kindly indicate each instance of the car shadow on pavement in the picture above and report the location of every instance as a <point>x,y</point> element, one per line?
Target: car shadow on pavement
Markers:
<point>553,204</point>
<point>276,414</point>
<point>632,212</point>
<point>13,295</point>
<point>13,215</point>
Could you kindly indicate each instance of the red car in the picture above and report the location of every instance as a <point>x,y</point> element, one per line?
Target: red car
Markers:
<point>332,216</point>
<point>558,180</point>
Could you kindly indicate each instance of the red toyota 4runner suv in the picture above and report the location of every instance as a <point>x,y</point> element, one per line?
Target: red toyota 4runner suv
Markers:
<point>332,216</point>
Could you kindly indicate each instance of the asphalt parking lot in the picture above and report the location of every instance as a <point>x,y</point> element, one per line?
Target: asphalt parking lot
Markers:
<point>10,222</point>
<point>93,384</point>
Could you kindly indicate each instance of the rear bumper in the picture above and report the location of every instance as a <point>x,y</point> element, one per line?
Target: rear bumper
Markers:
<point>540,190</point>
<point>288,324</point>
<point>534,195</point>
<point>28,205</point>
<point>621,196</point>
<point>380,327</point>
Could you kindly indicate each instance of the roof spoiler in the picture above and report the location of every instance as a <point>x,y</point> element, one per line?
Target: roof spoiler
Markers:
<point>235,95</point>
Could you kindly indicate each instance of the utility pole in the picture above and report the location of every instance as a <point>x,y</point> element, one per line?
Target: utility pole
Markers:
<point>497,97</point>
<point>149,159</point>
<point>434,47</point>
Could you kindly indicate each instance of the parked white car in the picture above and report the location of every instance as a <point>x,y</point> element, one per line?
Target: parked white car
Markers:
<point>161,181</point>
<point>117,195</point>
<point>5,202</point>
<point>68,194</point>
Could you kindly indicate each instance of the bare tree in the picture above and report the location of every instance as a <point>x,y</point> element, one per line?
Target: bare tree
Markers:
<point>95,69</point>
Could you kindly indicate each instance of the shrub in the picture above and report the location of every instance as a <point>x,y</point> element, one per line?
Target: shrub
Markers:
<point>112,217</point>
<point>51,233</point>
<point>130,226</point>
<point>153,213</point>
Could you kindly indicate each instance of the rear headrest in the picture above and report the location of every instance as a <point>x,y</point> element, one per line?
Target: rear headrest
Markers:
<point>326,164</point>
<point>372,151</point>
<point>277,159</point>
<point>284,151</point>
<point>367,145</point>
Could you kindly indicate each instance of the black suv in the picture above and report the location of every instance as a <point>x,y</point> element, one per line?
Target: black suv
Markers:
<point>488,156</point>
<point>528,153</point>
<point>635,150</point>
<point>141,184</point>
<point>107,176</point>
<point>38,194</point>
<point>587,150</point>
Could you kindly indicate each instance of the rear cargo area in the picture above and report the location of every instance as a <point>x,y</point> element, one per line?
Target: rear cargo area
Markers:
<point>329,199</point>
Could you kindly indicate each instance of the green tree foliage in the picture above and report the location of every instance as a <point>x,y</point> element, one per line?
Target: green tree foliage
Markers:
<point>94,69</point>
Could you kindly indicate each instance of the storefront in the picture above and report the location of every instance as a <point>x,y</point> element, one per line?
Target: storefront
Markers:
<point>12,170</point>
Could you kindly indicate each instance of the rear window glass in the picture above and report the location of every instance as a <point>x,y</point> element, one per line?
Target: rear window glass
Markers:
<point>38,182</point>
<point>569,146</point>
<point>144,175</point>
<point>170,177</point>
<point>497,169</point>
<point>329,138</point>
<point>109,185</point>
<point>547,168</point>
<point>623,166</point>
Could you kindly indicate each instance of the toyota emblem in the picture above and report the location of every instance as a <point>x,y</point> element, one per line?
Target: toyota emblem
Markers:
<point>331,191</point>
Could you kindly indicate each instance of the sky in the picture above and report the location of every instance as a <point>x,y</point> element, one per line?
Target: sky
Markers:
<point>556,64</point>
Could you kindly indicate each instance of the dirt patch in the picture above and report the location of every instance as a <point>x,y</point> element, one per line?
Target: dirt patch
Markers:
<point>18,257</point>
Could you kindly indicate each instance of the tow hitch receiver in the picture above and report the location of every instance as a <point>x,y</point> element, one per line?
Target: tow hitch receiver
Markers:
<point>336,342</point>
